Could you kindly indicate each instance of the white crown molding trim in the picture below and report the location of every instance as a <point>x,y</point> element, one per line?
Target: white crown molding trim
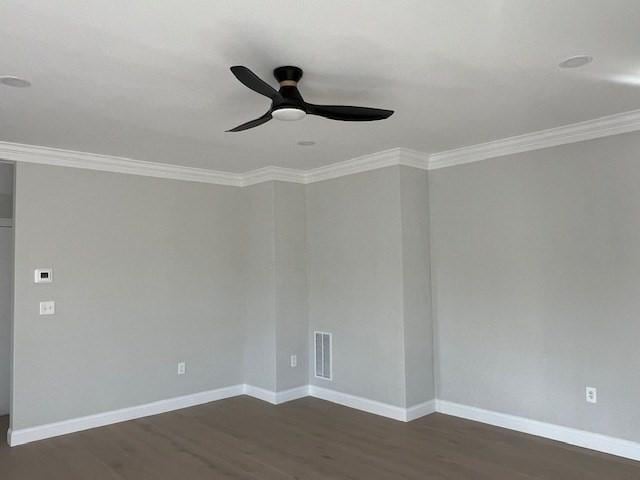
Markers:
<point>16,152</point>
<point>387,158</point>
<point>26,435</point>
<point>576,132</point>
<point>365,163</point>
<point>273,174</point>
<point>67,158</point>
<point>572,436</point>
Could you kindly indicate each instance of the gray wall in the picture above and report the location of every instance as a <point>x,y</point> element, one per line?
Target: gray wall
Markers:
<point>418,321</point>
<point>6,280</point>
<point>260,333</point>
<point>355,281</point>
<point>276,286</point>
<point>537,284</point>
<point>291,305</point>
<point>6,190</point>
<point>146,274</point>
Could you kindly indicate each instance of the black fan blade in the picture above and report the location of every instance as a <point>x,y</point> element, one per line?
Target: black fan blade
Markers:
<point>349,114</point>
<point>253,123</point>
<point>252,81</point>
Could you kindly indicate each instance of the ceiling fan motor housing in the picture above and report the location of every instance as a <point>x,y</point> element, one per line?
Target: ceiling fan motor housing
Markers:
<point>290,106</point>
<point>288,74</point>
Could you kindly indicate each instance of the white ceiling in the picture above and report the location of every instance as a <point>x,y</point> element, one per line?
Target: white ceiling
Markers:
<point>149,79</point>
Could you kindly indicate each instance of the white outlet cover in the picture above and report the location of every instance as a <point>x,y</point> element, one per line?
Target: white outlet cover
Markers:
<point>48,308</point>
<point>294,361</point>
<point>182,368</point>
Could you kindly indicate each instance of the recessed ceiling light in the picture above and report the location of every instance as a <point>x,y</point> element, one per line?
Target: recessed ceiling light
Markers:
<point>576,62</point>
<point>11,81</point>
<point>306,143</point>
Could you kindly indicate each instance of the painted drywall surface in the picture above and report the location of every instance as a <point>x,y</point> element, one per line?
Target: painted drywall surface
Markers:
<point>418,324</point>
<point>6,190</point>
<point>291,305</point>
<point>537,278</point>
<point>276,286</point>
<point>145,275</point>
<point>6,278</point>
<point>6,205</point>
<point>260,344</point>
<point>355,281</point>
<point>6,178</point>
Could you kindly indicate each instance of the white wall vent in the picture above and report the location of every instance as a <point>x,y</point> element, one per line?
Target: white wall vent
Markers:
<point>323,355</point>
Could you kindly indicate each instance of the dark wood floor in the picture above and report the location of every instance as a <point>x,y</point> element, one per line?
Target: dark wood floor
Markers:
<point>308,439</point>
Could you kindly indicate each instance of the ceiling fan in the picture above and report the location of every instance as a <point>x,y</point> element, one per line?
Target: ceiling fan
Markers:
<point>288,104</point>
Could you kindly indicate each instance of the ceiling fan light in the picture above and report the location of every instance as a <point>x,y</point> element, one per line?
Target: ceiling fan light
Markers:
<point>288,114</point>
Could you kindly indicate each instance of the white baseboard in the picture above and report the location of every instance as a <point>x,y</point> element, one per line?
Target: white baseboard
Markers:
<point>31,434</point>
<point>26,435</point>
<point>352,401</point>
<point>359,403</point>
<point>572,436</point>
<point>292,394</point>
<point>260,393</point>
<point>420,410</point>
<point>276,398</point>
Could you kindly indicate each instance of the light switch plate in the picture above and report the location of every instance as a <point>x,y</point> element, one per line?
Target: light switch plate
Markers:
<point>48,308</point>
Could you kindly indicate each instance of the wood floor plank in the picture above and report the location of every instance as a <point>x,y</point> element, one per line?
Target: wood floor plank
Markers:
<point>310,439</point>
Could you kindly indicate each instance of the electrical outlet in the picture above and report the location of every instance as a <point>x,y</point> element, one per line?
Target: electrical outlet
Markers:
<point>294,361</point>
<point>182,368</point>
<point>48,308</point>
<point>592,395</point>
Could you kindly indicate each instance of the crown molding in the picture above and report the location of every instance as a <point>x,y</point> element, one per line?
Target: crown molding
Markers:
<point>365,163</point>
<point>386,158</point>
<point>273,174</point>
<point>575,132</point>
<point>16,152</point>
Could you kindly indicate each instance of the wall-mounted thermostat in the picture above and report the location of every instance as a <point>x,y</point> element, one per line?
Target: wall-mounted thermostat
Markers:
<point>43,275</point>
